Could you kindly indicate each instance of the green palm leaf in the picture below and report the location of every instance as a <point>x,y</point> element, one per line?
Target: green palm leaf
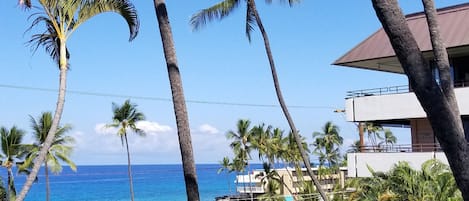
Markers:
<point>90,8</point>
<point>217,11</point>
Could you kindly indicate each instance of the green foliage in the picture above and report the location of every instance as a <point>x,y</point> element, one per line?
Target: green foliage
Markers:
<point>12,152</point>
<point>327,145</point>
<point>3,192</point>
<point>223,9</point>
<point>241,144</point>
<point>60,149</point>
<point>272,184</point>
<point>125,117</point>
<point>61,18</point>
<point>434,182</point>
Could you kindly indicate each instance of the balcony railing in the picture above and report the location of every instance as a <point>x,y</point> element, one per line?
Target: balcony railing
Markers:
<point>378,91</point>
<point>402,148</point>
<point>393,90</point>
<point>249,189</point>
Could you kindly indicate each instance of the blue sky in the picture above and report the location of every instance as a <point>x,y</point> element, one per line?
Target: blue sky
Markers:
<point>217,64</point>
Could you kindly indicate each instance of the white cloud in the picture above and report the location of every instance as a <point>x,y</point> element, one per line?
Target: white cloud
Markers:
<point>103,129</point>
<point>160,145</point>
<point>153,127</point>
<point>206,128</point>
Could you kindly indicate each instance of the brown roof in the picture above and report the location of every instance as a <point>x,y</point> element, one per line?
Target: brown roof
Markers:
<point>376,51</point>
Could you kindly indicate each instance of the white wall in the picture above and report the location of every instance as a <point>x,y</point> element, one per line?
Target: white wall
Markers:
<point>395,106</point>
<point>358,162</point>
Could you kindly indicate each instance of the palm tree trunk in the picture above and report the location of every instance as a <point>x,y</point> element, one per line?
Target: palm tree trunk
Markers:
<point>46,173</point>
<point>436,102</point>
<point>11,185</point>
<point>252,4</point>
<point>55,123</point>
<point>250,182</point>
<point>179,104</point>
<point>129,168</point>
<point>237,182</point>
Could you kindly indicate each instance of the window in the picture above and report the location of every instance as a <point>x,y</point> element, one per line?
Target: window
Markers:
<point>461,71</point>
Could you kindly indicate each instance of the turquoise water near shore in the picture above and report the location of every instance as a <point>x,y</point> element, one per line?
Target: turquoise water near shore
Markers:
<point>110,183</point>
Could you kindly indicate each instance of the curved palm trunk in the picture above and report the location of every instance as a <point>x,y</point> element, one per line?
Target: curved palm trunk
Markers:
<point>129,167</point>
<point>11,185</point>
<point>179,104</point>
<point>46,173</point>
<point>55,123</point>
<point>252,4</point>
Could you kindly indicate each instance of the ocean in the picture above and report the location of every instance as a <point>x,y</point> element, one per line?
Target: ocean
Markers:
<point>110,183</point>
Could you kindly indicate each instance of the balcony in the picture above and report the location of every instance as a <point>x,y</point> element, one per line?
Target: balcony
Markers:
<point>383,158</point>
<point>391,103</point>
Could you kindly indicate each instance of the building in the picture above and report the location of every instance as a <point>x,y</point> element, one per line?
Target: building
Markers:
<point>397,105</point>
<point>253,182</point>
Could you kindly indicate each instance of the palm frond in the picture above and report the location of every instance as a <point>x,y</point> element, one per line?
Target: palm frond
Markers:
<point>250,22</point>
<point>217,11</point>
<point>125,8</point>
<point>25,3</point>
<point>48,39</point>
<point>290,2</point>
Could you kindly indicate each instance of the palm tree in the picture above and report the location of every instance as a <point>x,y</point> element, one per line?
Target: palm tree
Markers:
<point>225,8</point>
<point>290,155</point>
<point>61,18</point>
<point>241,144</point>
<point>388,139</point>
<point>373,132</point>
<point>179,103</point>
<point>355,147</point>
<point>262,142</point>
<point>327,144</point>
<point>276,144</point>
<point>12,151</point>
<point>59,151</point>
<point>125,118</point>
<point>226,166</point>
<point>272,183</point>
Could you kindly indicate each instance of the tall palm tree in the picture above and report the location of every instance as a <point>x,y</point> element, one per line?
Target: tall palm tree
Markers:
<point>226,166</point>
<point>12,151</point>
<point>241,144</point>
<point>225,8</point>
<point>327,143</point>
<point>59,151</point>
<point>61,18</point>
<point>125,118</point>
<point>179,103</point>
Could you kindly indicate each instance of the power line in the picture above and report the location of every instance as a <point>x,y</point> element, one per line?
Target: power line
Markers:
<point>100,94</point>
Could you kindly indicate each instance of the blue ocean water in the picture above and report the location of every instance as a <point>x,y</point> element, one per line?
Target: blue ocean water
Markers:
<point>110,183</point>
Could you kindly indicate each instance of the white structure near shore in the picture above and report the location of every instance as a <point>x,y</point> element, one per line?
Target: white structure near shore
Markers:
<point>252,182</point>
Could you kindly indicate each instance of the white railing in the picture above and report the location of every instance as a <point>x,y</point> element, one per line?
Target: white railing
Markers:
<point>249,189</point>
